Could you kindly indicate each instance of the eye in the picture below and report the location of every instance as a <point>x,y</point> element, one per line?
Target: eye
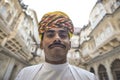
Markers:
<point>50,35</point>
<point>63,34</point>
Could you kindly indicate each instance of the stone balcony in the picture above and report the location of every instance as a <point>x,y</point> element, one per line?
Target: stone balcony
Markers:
<point>14,45</point>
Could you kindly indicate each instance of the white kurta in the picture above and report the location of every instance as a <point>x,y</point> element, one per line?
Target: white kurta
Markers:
<point>48,71</point>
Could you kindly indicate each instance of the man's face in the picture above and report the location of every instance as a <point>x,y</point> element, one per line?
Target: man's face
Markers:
<point>56,43</point>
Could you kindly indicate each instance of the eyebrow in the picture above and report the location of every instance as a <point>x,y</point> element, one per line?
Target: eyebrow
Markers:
<point>50,31</point>
<point>54,31</point>
<point>62,31</point>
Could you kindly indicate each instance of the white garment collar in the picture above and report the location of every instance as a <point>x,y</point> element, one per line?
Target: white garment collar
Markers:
<point>55,66</point>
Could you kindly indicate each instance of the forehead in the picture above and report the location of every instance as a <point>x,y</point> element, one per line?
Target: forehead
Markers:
<point>58,29</point>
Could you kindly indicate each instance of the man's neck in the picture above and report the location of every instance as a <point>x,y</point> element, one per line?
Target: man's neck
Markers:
<point>56,62</point>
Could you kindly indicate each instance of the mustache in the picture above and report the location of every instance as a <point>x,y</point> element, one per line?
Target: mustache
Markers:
<point>56,44</point>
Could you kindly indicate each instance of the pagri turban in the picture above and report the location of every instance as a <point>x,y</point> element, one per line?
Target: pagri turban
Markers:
<point>55,19</point>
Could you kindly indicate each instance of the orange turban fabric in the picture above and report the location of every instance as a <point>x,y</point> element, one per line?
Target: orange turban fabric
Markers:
<point>55,19</point>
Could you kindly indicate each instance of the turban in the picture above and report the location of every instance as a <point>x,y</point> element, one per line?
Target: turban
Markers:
<point>55,19</point>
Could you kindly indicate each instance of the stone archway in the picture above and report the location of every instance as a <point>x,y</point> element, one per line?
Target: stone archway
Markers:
<point>102,73</point>
<point>115,68</point>
<point>92,70</point>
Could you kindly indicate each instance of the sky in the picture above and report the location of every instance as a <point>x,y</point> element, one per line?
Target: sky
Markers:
<point>77,10</point>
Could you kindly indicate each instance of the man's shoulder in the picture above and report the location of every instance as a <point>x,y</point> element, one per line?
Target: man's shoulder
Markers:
<point>33,67</point>
<point>82,71</point>
<point>28,73</point>
<point>79,69</point>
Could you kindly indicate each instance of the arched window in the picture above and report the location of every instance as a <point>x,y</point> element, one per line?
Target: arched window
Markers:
<point>102,73</point>
<point>117,0</point>
<point>92,70</point>
<point>116,69</point>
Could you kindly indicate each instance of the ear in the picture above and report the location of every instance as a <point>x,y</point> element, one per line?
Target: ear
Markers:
<point>41,44</point>
<point>69,45</point>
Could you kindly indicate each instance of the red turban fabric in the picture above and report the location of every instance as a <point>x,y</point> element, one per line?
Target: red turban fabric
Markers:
<point>55,19</point>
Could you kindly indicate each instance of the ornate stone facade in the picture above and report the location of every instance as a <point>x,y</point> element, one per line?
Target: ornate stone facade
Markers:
<point>18,39</point>
<point>101,52</point>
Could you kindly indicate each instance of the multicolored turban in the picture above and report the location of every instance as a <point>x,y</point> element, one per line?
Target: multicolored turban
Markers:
<point>55,19</point>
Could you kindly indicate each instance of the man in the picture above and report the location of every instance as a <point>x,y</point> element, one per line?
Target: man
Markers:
<point>55,30</point>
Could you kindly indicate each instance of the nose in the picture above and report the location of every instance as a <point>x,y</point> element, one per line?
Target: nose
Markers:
<point>57,38</point>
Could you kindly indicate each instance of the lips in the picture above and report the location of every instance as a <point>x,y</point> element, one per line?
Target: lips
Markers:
<point>56,45</point>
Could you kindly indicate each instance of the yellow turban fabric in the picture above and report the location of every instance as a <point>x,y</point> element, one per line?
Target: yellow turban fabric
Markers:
<point>55,19</point>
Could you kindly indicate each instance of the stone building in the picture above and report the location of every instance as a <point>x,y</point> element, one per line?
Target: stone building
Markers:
<point>19,43</point>
<point>101,51</point>
<point>73,53</point>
